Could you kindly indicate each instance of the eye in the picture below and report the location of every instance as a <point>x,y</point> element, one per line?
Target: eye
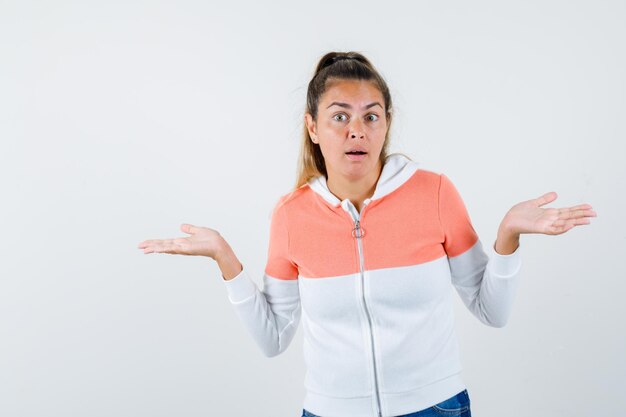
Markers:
<point>338,115</point>
<point>375,117</point>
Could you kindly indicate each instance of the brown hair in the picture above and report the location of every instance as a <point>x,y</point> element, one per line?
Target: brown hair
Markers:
<point>336,66</point>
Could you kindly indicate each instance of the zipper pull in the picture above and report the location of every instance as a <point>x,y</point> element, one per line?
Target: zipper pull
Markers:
<point>360,232</point>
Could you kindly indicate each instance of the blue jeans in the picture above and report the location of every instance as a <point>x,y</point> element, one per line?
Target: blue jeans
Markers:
<point>456,406</point>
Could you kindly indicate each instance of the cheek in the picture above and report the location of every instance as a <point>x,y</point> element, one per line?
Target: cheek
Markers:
<point>334,149</point>
<point>329,149</point>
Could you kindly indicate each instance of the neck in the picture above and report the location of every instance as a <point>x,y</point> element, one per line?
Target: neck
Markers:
<point>356,190</point>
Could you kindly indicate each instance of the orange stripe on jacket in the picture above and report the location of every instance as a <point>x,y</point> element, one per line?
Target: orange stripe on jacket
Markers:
<point>419,222</point>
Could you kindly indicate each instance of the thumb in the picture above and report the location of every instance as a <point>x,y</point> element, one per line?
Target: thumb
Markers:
<point>546,198</point>
<point>188,228</point>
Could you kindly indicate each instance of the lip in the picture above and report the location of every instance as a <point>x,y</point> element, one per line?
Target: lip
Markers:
<point>357,149</point>
<point>356,157</point>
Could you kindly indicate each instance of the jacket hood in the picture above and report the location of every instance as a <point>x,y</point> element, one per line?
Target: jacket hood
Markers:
<point>397,169</point>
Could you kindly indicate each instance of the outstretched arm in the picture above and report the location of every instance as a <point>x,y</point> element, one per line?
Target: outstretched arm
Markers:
<point>270,315</point>
<point>487,284</point>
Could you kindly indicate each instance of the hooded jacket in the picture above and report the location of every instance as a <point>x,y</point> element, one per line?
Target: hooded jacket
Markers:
<point>373,292</point>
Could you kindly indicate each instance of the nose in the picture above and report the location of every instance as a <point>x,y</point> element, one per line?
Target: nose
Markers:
<point>356,130</point>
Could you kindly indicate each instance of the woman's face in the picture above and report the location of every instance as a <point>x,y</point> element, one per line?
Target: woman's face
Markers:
<point>351,116</point>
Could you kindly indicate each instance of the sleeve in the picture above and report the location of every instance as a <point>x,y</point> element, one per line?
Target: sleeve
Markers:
<point>271,316</point>
<point>487,284</point>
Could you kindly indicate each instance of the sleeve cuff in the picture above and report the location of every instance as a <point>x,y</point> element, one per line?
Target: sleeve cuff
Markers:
<point>505,266</point>
<point>240,288</point>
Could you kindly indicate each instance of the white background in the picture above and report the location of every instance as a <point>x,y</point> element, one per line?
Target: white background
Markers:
<point>121,120</point>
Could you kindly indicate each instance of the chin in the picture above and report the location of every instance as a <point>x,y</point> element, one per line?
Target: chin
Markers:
<point>359,169</point>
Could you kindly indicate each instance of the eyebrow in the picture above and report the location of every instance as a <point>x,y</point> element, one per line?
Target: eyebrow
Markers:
<point>347,106</point>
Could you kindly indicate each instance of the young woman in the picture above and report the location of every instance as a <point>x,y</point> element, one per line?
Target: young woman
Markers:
<point>364,250</point>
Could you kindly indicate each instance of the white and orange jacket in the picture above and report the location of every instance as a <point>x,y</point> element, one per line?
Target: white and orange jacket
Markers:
<point>373,291</point>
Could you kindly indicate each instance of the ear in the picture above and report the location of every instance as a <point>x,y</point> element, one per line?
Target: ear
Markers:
<point>311,126</point>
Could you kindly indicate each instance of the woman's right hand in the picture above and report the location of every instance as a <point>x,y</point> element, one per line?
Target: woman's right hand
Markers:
<point>202,242</point>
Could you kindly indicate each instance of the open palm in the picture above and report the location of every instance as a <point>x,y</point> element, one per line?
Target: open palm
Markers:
<point>529,217</point>
<point>203,241</point>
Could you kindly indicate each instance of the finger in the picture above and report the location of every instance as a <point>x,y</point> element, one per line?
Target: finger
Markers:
<point>581,207</point>
<point>162,246</point>
<point>567,213</point>
<point>546,198</point>
<point>586,213</point>
<point>562,226</point>
<point>169,246</point>
<point>153,247</point>
<point>148,249</point>
<point>580,221</point>
<point>188,228</point>
<point>146,243</point>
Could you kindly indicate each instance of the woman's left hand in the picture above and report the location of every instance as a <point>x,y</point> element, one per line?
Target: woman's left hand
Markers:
<point>529,217</point>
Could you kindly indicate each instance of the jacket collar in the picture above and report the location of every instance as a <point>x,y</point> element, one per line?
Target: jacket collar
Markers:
<point>397,169</point>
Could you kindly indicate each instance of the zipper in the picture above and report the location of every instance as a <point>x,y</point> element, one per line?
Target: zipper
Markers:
<point>360,232</point>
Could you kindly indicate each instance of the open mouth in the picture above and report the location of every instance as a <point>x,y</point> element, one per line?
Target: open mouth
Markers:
<point>356,155</point>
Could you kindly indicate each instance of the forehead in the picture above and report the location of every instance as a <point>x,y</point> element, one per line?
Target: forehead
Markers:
<point>354,91</point>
